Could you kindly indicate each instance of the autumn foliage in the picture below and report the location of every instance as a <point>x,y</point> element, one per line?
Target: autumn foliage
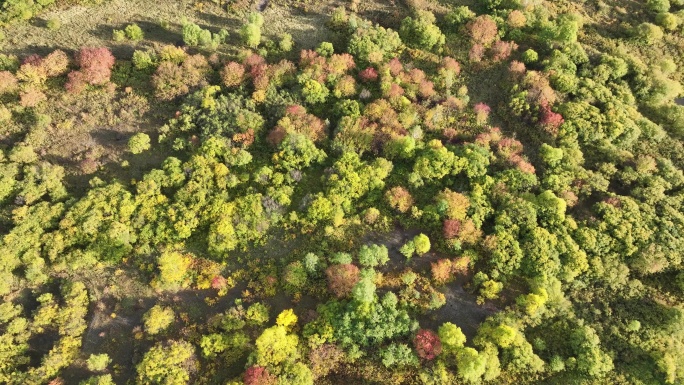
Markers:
<point>427,343</point>
<point>258,375</point>
<point>342,278</point>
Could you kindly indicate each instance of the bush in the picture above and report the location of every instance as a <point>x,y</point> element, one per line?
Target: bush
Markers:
<point>96,64</point>
<point>530,56</point>
<point>98,362</point>
<point>172,80</point>
<point>667,20</point>
<point>158,319</point>
<point>658,5</point>
<point>375,44</point>
<point>8,82</point>
<point>53,24</point>
<point>55,64</point>
<point>399,199</point>
<point>251,35</point>
<point>143,60</point>
<point>139,143</point>
<point>421,243</point>
<point>118,35</point>
<point>483,30</point>
<point>325,49</point>
<point>459,16</point>
<point>648,33</point>
<point>134,32</point>
<point>233,74</point>
<point>342,278</point>
<point>421,32</point>
<point>286,44</point>
<point>427,344</point>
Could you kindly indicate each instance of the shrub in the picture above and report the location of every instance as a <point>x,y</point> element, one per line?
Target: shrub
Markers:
<point>258,375</point>
<point>96,64</point>
<point>314,92</point>
<point>421,32</point>
<point>516,19</point>
<point>118,35</point>
<point>325,49</point>
<point>441,271</point>
<point>257,314</point>
<point>373,255</point>
<point>408,249</point>
<point>648,33</point>
<point>667,20</point>
<point>459,15</point>
<point>31,97</point>
<point>530,56</point>
<point>483,30</point>
<point>397,355</point>
<point>658,5</point>
<point>98,362</point>
<point>295,276</point>
<point>342,278</point>
<point>76,82</point>
<point>286,43</point>
<point>421,243</point>
<point>172,80</point>
<point>451,337</point>
<point>399,199</point>
<point>251,35</point>
<point>8,82</point>
<point>53,24</point>
<point>143,60</point>
<point>427,343</point>
<point>139,143</point>
<point>233,74</point>
<point>55,64</point>
<point>134,32</point>
<point>158,319</point>
<point>375,44</point>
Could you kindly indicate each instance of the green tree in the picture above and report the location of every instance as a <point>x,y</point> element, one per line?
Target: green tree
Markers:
<point>98,362</point>
<point>421,243</point>
<point>158,319</point>
<point>421,32</point>
<point>139,143</point>
<point>166,364</point>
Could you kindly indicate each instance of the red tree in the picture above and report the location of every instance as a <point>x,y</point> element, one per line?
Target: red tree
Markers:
<point>96,64</point>
<point>427,343</point>
<point>451,228</point>
<point>342,278</point>
<point>257,375</point>
<point>548,119</point>
<point>369,74</point>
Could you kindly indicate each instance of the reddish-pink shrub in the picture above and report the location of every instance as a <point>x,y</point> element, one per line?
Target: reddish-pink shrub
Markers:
<point>307,57</point>
<point>342,278</point>
<point>34,60</point>
<point>549,119</point>
<point>395,67</point>
<point>427,343</point>
<point>482,112</point>
<point>426,89</point>
<point>253,60</point>
<point>96,64</point>
<point>232,74</point>
<point>399,199</point>
<point>218,283</point>
<point>8,82</point>
<point>476,53</point>
<point>451,228</point>
<point>483,30</point>
<point>517,68</point>
<point>258,375</point>
<point>31,97</point>
<point>501,50</point>
<point>369,74</point>
<point>395,91</point>
<point>508,147</point>
<point>76,82</point>
<point>55,64</point>
<point>450,64</point>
